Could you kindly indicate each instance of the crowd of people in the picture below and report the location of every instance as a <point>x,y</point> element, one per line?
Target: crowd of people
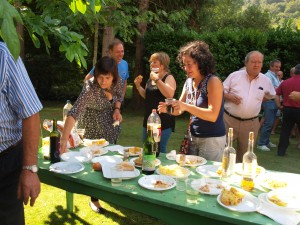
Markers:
<point>214,106</point>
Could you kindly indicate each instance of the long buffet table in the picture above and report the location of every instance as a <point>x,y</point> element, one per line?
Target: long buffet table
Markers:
<point>169,206</point>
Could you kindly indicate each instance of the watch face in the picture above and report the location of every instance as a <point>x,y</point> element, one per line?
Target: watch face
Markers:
<point>34,169</point>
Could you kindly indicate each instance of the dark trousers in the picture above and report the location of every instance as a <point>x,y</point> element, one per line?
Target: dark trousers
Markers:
<point>290,116</point>
<point>11,208</point>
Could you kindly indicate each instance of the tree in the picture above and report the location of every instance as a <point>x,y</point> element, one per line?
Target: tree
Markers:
<point>42,25</point>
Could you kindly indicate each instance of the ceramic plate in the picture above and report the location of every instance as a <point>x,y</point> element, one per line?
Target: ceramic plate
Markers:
<point>238,168</point>
<point>192,160</point>
<point>208,170</point>
<point>94,151</point>
<point>173,171</point>
<point>157,162</point>
<point>114,148</point>
<point>131,152</point>
<point>66,167</point>
<point>126,174</point>
<point>149,182</point>
<point>290,198</point>
<point>106,159</point>
<point>74,157</point>
<point>274,181</point>
<point>248,204</point>
<point>209,186</point>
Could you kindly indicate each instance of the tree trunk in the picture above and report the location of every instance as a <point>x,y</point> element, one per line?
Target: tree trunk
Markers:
<point>96,36</point>
<point>139,54</point>
<point>108,37</point>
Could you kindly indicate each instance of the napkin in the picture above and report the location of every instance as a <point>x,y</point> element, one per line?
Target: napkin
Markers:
<point>282,216</point>
<point>114,148</point>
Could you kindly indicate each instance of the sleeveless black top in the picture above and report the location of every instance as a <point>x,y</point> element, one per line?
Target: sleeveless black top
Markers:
<point>153,97</point>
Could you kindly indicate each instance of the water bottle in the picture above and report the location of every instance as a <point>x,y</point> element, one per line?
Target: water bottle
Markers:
<point>155,122</point>
<point>66,109</point>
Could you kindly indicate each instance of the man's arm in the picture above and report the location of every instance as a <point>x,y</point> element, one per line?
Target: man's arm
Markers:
<point>29,183</point>
<point>295,96</point>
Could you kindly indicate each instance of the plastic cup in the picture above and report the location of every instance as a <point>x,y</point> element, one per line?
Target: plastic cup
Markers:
<point>192,195</point>
<point>169,102</point>
<point>180,183</point>
<point>116,176</point>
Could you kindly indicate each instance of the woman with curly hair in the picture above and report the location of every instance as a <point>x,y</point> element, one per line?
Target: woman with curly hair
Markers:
<point>202,96</point>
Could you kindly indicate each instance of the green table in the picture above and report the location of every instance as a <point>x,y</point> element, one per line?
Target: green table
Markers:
<point>169,206</point>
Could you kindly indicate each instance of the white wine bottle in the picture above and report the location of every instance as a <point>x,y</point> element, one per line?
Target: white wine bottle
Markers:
<point>249,165</point>
<point>229,156</point>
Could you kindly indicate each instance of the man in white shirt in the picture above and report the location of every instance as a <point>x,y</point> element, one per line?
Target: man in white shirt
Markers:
<point>244,92</point>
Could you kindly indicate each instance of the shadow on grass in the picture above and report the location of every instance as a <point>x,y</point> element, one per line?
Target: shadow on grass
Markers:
<point>62,216</point>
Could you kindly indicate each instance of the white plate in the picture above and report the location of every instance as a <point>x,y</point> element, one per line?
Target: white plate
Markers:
<point>96,151</point>
<point>149,181</point>
<point>114,148</point>
<point>208,170</point>
<point>248,204</point>
<point>192,160</point>
<point>290,197</point>
<point>88,142</point>
<point>74,157</point>
<point>215,186</point>
<point>121,151</point>
<point>107,159</point>
<point>66,167</point>
<point>238,168</point>
<point>274,181</point>
<point>181,173</point>
<point>157,162</point>
<point>126,174</point>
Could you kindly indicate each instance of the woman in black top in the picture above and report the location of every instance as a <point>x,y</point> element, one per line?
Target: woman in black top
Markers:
<point>160,86</point>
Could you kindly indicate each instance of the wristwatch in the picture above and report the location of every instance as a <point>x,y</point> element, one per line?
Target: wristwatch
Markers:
<point>32,168</point>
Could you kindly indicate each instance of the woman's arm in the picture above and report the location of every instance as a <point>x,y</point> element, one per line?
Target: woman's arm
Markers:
<point>168,87</point>
<point>137,81</point>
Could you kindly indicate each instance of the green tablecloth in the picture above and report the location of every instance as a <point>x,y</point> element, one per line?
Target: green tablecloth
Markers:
<point>169,206</point>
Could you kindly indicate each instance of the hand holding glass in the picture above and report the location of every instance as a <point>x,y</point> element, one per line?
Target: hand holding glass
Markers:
<point>169,102</point>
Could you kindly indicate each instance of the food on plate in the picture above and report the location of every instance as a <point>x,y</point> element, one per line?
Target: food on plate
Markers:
<point>219,171</point>
<point>125,166</point>
<point>96,151</point>
<point>134,150</point>
<point>161,184</point>
<point>139,160</point>
<point>101,141</point>
<point>277,201</point>
<point>231,196</point>
<point>205,188</point>
<point>97,166</point>
<point>274,184</point>
<point>173,170</point>
<point>193,161</point>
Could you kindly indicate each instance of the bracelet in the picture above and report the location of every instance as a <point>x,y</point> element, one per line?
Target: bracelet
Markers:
<point>117,108</point>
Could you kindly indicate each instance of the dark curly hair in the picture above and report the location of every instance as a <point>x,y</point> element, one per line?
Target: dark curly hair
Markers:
<point>198,51</point>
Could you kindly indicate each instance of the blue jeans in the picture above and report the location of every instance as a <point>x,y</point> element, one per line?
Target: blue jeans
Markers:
<point>165,136</point>
<point>270,110</point>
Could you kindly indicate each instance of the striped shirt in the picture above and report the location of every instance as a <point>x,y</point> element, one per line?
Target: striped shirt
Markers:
<point>18,99</point>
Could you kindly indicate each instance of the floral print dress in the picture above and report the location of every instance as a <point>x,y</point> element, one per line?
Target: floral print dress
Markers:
<point>94,111</point>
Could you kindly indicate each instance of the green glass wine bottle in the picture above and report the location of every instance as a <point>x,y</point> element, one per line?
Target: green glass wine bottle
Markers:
<point>54,143</point>
<point>149,153</point>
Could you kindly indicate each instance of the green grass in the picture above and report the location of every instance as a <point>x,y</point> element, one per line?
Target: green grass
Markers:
<point>50,207</point>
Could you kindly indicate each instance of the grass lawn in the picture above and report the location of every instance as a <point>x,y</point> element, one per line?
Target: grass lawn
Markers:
<point>50,207</point>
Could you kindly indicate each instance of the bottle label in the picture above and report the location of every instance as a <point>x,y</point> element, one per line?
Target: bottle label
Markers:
<point>148,162</point>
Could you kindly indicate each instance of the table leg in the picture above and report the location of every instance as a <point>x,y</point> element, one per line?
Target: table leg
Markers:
<point>69,198</point>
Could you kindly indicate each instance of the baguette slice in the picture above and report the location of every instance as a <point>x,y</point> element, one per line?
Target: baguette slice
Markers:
<point>125,166</point>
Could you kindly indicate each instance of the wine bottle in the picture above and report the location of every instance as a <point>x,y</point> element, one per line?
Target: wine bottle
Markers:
<point>154,120</point>
<point>249,165</point>
<point>54,143</point>
<point>229,156</point>
<point>149,154</point>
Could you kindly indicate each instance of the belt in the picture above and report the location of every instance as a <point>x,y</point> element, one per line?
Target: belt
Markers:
<point>239,118</point>
<point>6,151</point>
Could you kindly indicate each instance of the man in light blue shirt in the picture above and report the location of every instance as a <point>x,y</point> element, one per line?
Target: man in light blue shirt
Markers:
<point>19,139</point>
<point>116,50</point>
<point>270,109</point>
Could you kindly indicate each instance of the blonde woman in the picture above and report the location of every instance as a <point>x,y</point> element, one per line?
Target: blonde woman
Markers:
<point>161,85</point>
